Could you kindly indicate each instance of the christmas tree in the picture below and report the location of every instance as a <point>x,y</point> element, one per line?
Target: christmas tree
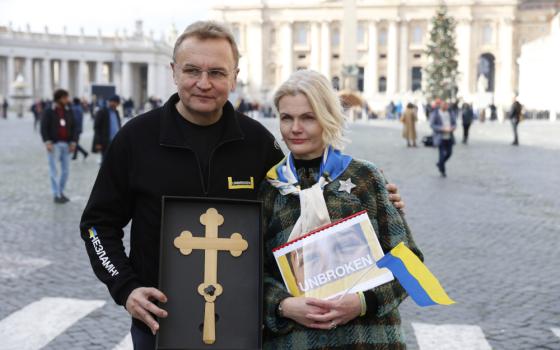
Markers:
<point>441,71</point>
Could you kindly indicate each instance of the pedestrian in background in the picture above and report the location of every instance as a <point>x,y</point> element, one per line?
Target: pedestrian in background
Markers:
<point>467,115</point>
<point>515,116</point>
<point>5,106</point>
<point>37,110</point>
<point>390,110</point>
<point>443,122</point>
<point>107,124</point>
<point>59,135</point>
<point>409,119</point>
<point>78,112</point>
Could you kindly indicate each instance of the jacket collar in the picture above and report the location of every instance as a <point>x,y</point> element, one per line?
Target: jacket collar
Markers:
<point>170,133</point>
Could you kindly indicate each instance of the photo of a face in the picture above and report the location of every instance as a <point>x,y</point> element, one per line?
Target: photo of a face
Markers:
<point>331,258</point>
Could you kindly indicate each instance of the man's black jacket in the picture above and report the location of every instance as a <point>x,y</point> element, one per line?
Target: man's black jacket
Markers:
<point>102,129</point>
<point>50,124</point>
<point>147,159</point>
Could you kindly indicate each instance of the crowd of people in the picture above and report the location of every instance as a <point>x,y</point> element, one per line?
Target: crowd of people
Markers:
<point>61,124</point>
<point>443,117</point>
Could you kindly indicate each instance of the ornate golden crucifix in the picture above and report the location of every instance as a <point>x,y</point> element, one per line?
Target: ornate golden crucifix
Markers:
<point>210,289</point>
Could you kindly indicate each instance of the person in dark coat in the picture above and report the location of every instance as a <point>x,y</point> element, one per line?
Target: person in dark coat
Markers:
<point>107,124</point>
<point>467,118</point>
<point>79,121</point>
<point>515,117</point>
<point>59,135</point>
<point>5,106</point>
<point>443,122</point>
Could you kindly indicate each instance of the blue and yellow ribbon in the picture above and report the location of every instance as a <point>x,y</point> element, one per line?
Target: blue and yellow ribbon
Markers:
<point>283,175</point>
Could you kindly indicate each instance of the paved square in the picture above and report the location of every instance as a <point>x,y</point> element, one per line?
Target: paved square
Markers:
<point>490,232</point>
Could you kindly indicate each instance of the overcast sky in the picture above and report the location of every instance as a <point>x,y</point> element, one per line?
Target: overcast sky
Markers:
<point>109,15</point>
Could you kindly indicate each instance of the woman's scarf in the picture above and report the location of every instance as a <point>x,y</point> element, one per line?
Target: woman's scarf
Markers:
<point>313,209</point>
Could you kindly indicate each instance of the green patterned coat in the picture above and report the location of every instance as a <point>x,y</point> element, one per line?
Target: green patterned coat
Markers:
<point>380,328</point>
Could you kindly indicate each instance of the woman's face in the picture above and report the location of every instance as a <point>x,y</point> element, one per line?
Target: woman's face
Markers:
<point>300,128</point>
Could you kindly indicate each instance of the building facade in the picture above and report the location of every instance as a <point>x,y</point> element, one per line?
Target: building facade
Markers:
<point>539,73</point>
<point>387,40</point>
<point>137,64</point>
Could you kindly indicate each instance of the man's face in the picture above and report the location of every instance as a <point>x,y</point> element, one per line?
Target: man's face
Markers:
<point>113,104</point>
<point>204,72</point>
<point>64,101</point>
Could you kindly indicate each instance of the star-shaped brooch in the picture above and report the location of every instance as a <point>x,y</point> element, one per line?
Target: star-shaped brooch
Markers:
<point>346,185</point>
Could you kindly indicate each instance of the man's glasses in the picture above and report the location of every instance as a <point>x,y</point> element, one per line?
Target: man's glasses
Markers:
<point>214,74</point>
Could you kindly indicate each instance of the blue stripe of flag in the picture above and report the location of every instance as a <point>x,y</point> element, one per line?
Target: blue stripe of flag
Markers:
<point>409,283</point>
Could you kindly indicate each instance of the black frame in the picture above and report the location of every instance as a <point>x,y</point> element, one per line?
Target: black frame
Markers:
<point>197,258</point>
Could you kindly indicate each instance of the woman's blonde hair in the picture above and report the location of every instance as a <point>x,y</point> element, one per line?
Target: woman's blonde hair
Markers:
<point>323,100</point>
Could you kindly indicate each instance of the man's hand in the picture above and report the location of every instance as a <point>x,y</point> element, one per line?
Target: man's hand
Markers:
<point>71,148</point>
<point>49,146</point>
<point>139,305</point>
<point>394,196</point>
<point>98,148</point>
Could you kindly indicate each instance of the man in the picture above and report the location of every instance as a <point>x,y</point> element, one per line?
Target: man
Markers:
<point>106,125</point>
<point>37,110</point>
<point>443,122</point>
<point>59,135</point>
<point>188,147</point>
<point>467,118</point>
<point>515,115</point>
<point>5,108</point>
<point>79,122</point>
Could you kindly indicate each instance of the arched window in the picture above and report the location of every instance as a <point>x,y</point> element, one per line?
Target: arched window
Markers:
<point>382,84</point>
<point>487,34</point>
<point>416,78</point>
<point>486,73</point>
<point>335,83</point>
<point>335,37</point>
<point>417,35</point>
<point>361,34</point>
<point>383,37</point>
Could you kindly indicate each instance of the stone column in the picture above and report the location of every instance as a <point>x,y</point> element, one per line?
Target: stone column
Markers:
<point>80,78</point>
<point>255,53</point>
<point>47,81</point>
<point>463,32</point>
<point>9,75</point>
<point>404,70</point>
<point>64,83</point>
<point>392,58</point>
<point>125,80</point>
<point>504,91</point>
<point>315,47</point>
<point>287,53</point>
<point>371,74</point>
<point>28,75</point>
<point>326,49</point>
<point>99,72</point>
<point>152,66</point>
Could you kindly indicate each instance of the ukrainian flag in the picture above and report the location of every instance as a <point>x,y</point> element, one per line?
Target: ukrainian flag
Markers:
<point>414,276</point>
<point>92,233</point>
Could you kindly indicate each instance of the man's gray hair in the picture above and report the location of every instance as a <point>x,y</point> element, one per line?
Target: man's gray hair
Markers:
<point>208,30</point>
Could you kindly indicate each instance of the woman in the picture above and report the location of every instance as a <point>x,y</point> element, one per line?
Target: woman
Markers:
<point>316,184</point>
<point>409,120</point>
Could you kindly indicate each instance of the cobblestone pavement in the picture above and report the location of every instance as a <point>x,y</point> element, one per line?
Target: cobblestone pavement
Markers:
<point>489,231</point>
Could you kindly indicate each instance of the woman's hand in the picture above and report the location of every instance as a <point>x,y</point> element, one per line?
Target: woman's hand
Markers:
<point>298,308</point>
<point>340,312</point>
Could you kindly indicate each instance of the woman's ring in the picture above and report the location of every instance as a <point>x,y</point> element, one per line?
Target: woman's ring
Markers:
<point>333,325</point>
